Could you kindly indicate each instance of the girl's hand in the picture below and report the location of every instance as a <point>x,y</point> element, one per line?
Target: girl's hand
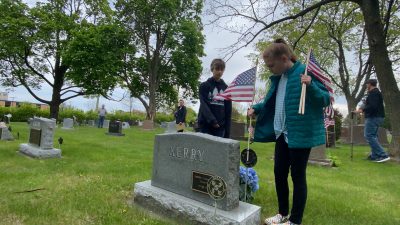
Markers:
<point>305,79</point>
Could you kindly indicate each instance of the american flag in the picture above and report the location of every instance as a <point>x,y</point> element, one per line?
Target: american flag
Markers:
<point>241,89</point>
<point>329,122</point>
<point>315,68</point>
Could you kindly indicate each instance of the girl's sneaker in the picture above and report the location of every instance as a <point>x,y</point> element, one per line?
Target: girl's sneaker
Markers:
<point>277,219</point>
<point>286,223</point>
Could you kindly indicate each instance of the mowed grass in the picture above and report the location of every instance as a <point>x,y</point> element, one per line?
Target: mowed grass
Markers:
<point>93,183</point>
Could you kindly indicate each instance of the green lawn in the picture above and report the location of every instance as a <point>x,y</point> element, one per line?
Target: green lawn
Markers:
<point>93,183</point>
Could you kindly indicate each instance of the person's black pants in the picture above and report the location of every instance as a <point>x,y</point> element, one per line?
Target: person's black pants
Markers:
<point>208,129</point>
<point>296,160</point>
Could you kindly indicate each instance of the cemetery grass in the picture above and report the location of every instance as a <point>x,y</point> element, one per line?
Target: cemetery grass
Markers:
<point>93,183</point>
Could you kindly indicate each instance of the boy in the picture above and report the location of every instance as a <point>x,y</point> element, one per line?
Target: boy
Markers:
<point>214,115</point>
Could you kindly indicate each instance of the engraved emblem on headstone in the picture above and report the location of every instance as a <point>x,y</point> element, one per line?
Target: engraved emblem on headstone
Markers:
<point>216,188</point>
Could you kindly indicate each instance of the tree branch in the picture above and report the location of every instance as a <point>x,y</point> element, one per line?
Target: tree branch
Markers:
<point>73,96</point>
<point>33,69</point>
<point>307,28</point>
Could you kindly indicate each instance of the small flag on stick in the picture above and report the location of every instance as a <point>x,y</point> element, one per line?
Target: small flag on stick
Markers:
<point>241,89</point>
<point>314,68</point>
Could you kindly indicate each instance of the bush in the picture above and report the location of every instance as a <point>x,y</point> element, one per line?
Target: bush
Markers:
<point>26,111</point>
<point>23,112</point>
<point>125,116</point>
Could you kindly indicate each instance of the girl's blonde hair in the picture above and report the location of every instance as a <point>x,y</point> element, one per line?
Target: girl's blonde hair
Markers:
<point>279,48</point>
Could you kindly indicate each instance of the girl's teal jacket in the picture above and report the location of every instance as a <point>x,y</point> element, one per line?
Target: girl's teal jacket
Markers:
<point>304,131</point>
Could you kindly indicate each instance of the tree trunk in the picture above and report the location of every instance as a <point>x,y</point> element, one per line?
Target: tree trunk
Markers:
<point>54,109</point>
<point>152,101</point>
<point>351,103</point>
<point>384,70</point>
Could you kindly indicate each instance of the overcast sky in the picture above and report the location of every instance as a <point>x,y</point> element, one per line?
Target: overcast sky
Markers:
<point>215,40</point>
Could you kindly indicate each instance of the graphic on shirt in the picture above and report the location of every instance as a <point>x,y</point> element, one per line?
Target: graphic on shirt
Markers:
<point>211,97</point>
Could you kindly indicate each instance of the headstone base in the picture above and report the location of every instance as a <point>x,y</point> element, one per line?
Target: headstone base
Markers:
<point>115,134</point>
<point>326,163</point>
<point>194,212</point>
<point>36,152</point>
<point>67,128</point>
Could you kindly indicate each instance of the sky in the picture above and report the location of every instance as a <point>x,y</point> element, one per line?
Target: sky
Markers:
<point>216,39</point>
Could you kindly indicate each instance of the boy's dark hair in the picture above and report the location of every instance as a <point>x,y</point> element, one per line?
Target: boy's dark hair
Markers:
<point>372,82</point>
<point>217,64</point>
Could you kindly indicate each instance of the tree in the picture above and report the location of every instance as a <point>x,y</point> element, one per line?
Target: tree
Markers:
<point>58,45</point>
<point>169,46</point>
<point>377,23</point>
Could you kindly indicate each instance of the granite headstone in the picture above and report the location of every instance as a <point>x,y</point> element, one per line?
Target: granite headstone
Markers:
<point>358,135</point>
<point>148,125</point>
<point>68,123</point>
<point>106,124</point>
<point>91,123</point>
<point>125,125</point>
<point>115,128</point>
<point>5,133</point>
<point>192,155</point>
<point>238,130</point>
<point>171,127</point>
<point>183,163</point>
<point>318,156</point>
<point>41,135</point>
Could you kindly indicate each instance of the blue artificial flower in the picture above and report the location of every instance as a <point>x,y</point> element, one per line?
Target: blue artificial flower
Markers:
<point>249,175</point>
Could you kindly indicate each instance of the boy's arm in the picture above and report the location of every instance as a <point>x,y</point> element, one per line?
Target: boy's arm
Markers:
<point>228,118</point>
<point>204,109</point>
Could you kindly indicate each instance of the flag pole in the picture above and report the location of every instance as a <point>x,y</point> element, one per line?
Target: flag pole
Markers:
<point>252,101</point>
<point>303,87</point>
<point>248,138</point>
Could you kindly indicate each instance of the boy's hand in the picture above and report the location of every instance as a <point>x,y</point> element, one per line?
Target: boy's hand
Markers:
<point>216,125</point>
<point>305,79</point>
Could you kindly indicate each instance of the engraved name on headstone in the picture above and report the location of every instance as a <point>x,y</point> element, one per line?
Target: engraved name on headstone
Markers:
<point>182,161</point>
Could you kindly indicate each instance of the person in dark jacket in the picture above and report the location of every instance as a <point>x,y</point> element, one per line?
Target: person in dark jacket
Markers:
<point>374,113</point>
<point>214,115</point>
<point>180,115</point>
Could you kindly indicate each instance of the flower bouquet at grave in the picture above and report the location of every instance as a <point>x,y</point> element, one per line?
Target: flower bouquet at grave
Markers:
<point>252,184</point>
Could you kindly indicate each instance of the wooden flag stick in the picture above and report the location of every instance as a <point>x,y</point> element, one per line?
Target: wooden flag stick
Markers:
<point>303,88</point>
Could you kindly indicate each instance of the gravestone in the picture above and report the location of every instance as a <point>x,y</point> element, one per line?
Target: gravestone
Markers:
<point>41,135</point>
<point>182,166</point>
<point>171,127</point>
<point>125,125</point>
<point>7,118</point>
<point>91,123</point>
<point>5,134</point>
<point>358,135</point>
<point>318,156</point>
<point>331,139</point>
<point>148,125</point>
<point>164,125</point>
<point>140,123</point>
<point>68,123</point>
<point>238,131</point>
<point>115,128</point>
<point>106,124</point>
